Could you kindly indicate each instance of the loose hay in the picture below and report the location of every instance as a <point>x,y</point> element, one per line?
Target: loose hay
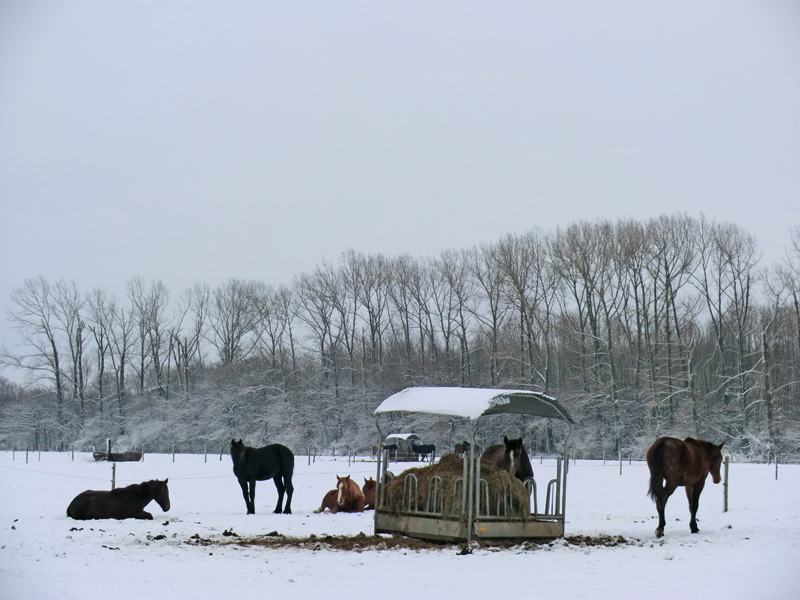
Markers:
<point>450,468</point>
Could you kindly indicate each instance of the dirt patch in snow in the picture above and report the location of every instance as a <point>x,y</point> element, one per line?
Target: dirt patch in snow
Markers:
<point>362,542</point>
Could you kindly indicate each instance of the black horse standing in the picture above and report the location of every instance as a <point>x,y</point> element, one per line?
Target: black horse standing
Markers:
<point>274,462</point>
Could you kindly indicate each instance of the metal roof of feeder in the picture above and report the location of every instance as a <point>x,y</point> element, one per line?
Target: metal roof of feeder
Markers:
<point>473,403</point>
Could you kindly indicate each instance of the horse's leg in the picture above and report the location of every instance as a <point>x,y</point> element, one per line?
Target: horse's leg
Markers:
<point>246,494</point>
<point>278,479</point>
<point>661,504</point>
<point>143,515</point>
<point>693,495</point>
<point>289,491</point>
<point>252,506</point>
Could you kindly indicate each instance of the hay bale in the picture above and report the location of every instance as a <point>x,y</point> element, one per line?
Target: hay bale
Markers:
<point>451,467</point>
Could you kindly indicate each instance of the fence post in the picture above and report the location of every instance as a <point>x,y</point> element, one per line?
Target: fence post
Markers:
<point>221,446</point>
<point>142,452</point>
<point>113,475</point>
<point>26,455</point>
<point>173,452</point>
<point>13,452</point>
<point>725,484</point>
<point>776,465</point>
<point>620,461</point>
<point>39,451</point>
<point>308,451</point>
<point>205,453</point>
<point>73,452</point>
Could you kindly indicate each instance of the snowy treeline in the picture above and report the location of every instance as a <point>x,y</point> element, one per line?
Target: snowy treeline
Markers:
<point>669,326</point>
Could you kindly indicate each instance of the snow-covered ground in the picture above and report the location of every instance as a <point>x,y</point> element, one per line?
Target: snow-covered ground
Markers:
<point>752,551</point>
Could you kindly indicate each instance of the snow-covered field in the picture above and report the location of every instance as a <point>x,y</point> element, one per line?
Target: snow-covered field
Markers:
<point>752,551</point>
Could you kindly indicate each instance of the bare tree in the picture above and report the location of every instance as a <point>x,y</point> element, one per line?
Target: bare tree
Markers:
<point>68,304</point>
<point>101,310</point>
<point>232,319</point>
<point>31,314</point>
<point>485,266</point>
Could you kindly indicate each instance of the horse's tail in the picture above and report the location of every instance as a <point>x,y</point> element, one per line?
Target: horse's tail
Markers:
<point>654,461</point>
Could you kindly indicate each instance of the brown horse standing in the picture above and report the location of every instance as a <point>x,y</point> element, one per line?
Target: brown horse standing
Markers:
<point>677,463</point>
<point>121,503</point>
<point>369,493</point>
<point>347,497</point>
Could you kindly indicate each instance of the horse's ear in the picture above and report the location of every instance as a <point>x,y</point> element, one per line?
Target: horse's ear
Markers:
<point>721,445</point>
<point>505,440</point>
<point>166,480</point>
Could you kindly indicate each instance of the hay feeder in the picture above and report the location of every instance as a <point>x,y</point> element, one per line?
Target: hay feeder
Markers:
<point>463,499</point>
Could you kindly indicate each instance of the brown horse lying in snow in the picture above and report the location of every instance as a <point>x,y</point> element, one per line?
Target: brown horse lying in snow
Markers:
<point>347,497</point>
<point>121,503</point>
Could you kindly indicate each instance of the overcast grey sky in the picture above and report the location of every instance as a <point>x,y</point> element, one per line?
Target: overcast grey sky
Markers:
<point>197,141</point>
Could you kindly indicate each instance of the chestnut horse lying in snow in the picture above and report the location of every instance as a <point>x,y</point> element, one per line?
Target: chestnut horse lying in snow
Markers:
<point>121,503</point>
<point>347,497</point>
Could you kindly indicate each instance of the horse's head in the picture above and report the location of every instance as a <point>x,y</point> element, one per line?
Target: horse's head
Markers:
<point>513,447</point>
<point>368,484</point>
<point>161,493</point>
<point>513,454</point>
<point>344,487</point>
<point>714,461</point>
<point>237,449</point>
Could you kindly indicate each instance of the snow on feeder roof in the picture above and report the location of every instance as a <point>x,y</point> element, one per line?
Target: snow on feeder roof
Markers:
<point>473,403</point>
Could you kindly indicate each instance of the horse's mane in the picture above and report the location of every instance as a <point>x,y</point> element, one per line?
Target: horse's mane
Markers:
<point>146,488</point>
<point>709,447</point>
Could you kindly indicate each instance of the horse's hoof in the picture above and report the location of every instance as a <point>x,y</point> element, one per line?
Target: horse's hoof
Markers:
<point>288,511</point>
<point>659,533</point>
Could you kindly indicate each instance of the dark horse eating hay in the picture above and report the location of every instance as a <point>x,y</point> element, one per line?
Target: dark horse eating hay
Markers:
<point>677,463</point>
<point>274,462</point>
<point>121,503</point>
<point>510,456</point>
